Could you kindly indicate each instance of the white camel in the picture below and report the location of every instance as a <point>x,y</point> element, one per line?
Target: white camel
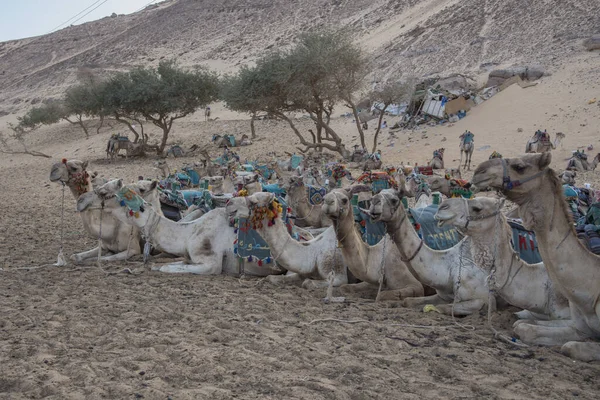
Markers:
<point>523,285</point>
<point>313,260</point>
<point>459,283</point>
<point>206,243</point>
<point>529,182</point>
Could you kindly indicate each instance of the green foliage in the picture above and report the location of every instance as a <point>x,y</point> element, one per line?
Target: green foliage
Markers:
<point>323,69</point>
<point>46,114</point>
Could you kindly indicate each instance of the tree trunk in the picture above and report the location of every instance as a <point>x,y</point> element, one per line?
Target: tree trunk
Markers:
<point>99,126</point>
<point>381,114</point>
<point>131,128</point>
<point>252,128</point>
<point>357,119</point>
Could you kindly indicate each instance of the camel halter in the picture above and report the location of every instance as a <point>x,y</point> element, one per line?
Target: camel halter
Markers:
<point>508,184</point>
<point>479,217</point>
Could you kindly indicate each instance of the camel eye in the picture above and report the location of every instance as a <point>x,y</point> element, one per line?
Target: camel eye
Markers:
<point>344,201</point>
<point>477,209</point>
<point>394,201</point>
<point>519,167</point>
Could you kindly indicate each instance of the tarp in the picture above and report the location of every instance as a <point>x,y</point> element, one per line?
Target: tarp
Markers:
<point>392,109</point>
<point>434,104</point>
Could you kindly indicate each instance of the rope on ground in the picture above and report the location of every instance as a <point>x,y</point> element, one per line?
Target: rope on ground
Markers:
<point>61,262</point>
<point>358,321</point>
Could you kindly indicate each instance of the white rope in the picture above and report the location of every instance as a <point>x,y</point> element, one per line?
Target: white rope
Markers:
<point>61,262</point>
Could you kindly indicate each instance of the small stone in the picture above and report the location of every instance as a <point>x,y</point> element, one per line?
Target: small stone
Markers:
<point>520,130</point>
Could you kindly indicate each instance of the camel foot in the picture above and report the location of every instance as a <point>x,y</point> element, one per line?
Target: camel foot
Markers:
<point>549,323</point>
<point>389,295</point>
<point>182,268</point>
<point>461,309</point>
<point>529,315</point>
<point>582,351</point>
<point>546,335</point>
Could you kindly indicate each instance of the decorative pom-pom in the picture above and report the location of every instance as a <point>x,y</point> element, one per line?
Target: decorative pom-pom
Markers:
<point>260,263</point>
<point>131,213</point>
<point>235,250</point>
<point>136,214</point>
<point>268,260</point>
<point>250,258</point>
<point>122,203</point>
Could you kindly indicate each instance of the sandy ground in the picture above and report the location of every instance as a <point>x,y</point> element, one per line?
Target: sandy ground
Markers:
<point>78,333</point>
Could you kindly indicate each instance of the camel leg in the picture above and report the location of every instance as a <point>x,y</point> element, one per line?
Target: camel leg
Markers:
<point>122,256</point>
<point>553,323</point>
<point>546,335</point>
<point>81,257</point>
<point>421,301</point>
<point>461,308</point>
<point>460,162</point>
<point>582,351</point>
<point>211,266</point>
<point>289,277</point>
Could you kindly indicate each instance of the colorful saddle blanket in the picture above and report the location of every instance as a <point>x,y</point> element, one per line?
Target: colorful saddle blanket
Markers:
<point>316,195</point>
<point>274,188</point>
<point>250,245</point>
<point>524,243</point>
<point>295,161</point>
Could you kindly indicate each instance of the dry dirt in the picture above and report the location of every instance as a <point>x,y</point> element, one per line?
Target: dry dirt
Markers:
<point>79,333</point>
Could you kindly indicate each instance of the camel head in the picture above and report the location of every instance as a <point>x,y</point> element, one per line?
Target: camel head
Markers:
<point>470,216</point>
<point>438,183</point>
<point>66,170</point>
<point>238,207</point>
<point>385,204</point>
<point>263,208</point>
<point>515,177</point>
<point>336,204</point>
<point>568,177</point>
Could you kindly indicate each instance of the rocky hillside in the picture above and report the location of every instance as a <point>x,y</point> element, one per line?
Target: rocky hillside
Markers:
<point>422,37</point>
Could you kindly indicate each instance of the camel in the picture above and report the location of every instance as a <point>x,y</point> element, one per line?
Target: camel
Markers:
<point>458,282</point>
<point>533,185</point>
<point>117,238</point>
<point>538,145</point>
<point>453,173</point>
<point>467,145</point>
<point>437,162</point>
<point>568,177</point>
<point>313,260</point>
<point>114,146</point>
<point>448,187</point>
<point>206,243</point>
<point>306,214</point>
<point>523,285</point>
<point>368,263</point>
<point>163,167</point>
<point>579,162</point>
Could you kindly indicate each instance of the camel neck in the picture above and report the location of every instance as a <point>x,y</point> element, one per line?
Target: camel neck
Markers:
<point>346,231</point>
<point>544,211</point>
<point>431,267</point>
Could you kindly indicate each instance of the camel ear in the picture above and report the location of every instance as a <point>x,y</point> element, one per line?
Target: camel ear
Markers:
<point>153,185</point>
<point>501,203</point>
<point>574,174</point>
<point>84,165</point>
<point>544,160</point>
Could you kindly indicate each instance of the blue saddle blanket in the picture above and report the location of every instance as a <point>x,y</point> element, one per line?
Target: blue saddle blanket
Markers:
<point>435,237</point>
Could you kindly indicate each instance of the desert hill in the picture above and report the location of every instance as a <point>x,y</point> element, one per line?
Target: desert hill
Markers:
<point>421,37</point>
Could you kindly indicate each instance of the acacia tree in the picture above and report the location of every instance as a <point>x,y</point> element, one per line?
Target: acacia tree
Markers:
<point>393,91</point>
<point>238,93</point>
<point>159,96</point>
<point>307,78</point>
